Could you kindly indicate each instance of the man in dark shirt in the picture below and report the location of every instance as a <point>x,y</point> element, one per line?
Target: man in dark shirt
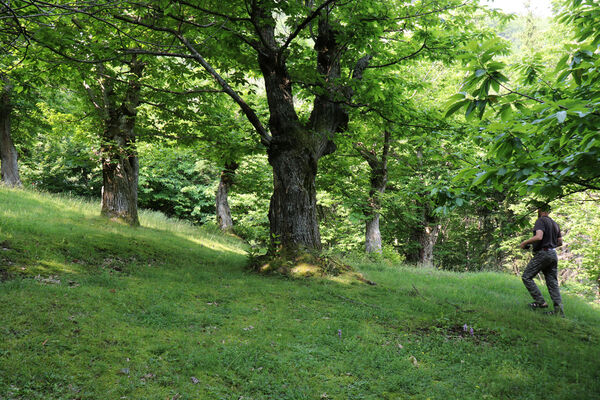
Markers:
<point>546,237</point>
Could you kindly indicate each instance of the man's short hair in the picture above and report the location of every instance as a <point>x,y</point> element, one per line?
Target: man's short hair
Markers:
<point>542,206</point>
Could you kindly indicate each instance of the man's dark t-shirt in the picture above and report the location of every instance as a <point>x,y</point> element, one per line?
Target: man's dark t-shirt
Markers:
<point>551,233</point>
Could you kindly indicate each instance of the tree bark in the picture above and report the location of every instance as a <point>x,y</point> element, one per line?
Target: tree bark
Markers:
<point>8,152</point>
<point>379,177</point>
<point>293,208</point>
<point>120,166</point>
<point>427,241</point>
<point>292,155</point>
<point>427,232</point>
<point>373,235</point>
<point>223,211</point>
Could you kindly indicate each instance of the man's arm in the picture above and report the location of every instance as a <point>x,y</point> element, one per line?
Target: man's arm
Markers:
<point>559,241</point>
<point>539,234</point>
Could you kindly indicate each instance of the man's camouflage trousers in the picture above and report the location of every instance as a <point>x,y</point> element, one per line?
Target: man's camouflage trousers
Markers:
<point>546,262</point>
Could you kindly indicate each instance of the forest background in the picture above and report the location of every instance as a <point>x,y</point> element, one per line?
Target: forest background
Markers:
<point>411,179</point>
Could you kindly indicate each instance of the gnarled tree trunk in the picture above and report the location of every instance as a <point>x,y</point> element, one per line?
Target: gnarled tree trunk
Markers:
<point>295,148</point>
<point>120,171</point>
<point>8,152</point>
<point>293,208</point>
<point>120,166</point>
<point>223,211</point>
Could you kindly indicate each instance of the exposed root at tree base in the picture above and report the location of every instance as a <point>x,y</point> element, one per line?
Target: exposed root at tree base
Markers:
<point>307,264</point>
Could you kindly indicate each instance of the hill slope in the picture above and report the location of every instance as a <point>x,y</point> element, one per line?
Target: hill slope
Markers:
<point>92,309</point>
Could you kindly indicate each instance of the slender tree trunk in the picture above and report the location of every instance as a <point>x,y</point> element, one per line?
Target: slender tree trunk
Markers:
<point>426,234</point>
<point>427,241</point>
<point>8,152</point>
<point>120,166</point>
<point>223,211</point>
<point>373,235</point>
<point>379,176</point>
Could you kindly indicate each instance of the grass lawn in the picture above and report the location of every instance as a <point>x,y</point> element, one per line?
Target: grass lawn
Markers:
<point>93,309</point>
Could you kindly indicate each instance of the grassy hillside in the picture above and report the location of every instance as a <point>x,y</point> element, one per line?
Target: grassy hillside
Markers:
<point>92,309</point>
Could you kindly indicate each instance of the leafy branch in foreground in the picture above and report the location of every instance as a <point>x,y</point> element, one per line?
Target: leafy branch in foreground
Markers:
<point>542,139</point>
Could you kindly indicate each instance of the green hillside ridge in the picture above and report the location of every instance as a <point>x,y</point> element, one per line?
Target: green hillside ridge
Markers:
<point>93,309</point>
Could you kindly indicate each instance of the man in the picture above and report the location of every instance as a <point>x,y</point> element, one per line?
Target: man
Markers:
<point>546,237</point>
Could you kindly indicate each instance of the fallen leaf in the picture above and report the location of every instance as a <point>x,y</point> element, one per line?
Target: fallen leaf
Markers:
<point>148,376</point>
<point>414,361</point>
<point>195,380</point>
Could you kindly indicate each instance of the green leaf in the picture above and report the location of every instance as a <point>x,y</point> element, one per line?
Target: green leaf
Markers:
<point>506,112</point>
<point>470,109</point>
<point>455,107</point>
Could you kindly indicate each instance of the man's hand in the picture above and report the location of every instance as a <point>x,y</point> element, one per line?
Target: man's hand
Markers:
<point>539,234</point>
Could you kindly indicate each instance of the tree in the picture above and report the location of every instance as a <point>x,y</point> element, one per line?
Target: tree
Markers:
<point>318,51</point>
<point>8,152</point>
<point>378,180</point>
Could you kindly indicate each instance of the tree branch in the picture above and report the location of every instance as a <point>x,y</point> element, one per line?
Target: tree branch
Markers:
<point>423,46</point>
<point>248,111</point>
<point>304,24</point>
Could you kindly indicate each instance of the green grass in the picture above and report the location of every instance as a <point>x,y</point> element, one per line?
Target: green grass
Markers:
<point>169,311</point>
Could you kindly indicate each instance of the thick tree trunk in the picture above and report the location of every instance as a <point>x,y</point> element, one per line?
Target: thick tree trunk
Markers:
<point>294,148</point>
<point>293,153</point>
<point>8,152</point>
<point>120,171</point>
<point>293,208</point>
<point>120,167</point>
<point>223,211</point>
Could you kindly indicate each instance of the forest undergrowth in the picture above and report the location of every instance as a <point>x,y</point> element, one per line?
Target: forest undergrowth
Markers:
<point>96,309</point>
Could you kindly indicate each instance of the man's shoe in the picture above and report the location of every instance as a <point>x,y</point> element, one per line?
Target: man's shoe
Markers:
<point>558,311</point>
<point>535,305</point>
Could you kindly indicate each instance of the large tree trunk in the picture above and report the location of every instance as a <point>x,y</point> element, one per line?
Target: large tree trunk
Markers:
<point>223,211</point>
<point>8,152</point>
<point>293,207</point>
<point>293,147</point>
<point>120,171</point>
<point>425,235</point>
<point>293,153</point>
<point>120,167</point>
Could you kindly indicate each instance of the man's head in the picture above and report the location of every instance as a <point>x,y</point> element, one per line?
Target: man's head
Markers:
<point>543,209</point>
